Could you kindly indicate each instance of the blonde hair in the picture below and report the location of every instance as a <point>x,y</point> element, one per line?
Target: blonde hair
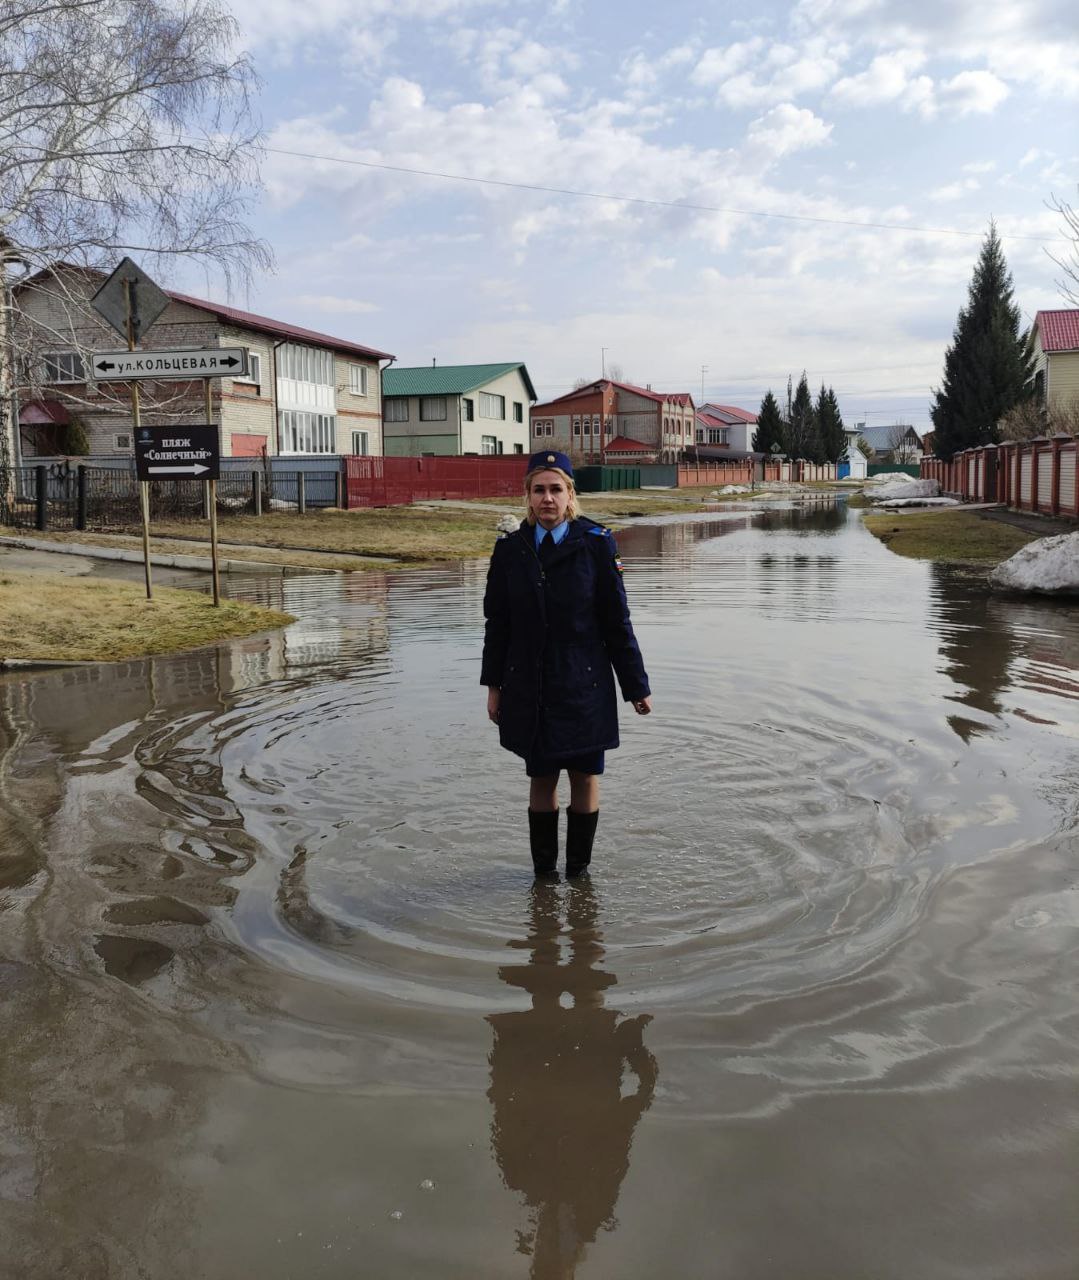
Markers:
<point>573,509</point>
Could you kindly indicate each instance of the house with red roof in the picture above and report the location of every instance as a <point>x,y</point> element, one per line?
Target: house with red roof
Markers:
<point>727,427</point>
<point>304,393</point>
<point>1056,352</point>
<point>614,421</point>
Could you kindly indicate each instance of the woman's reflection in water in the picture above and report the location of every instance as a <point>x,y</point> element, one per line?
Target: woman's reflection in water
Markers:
<point>565,1106</point>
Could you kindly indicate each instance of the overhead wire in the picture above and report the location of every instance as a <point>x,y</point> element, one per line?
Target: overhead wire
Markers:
<point>687,205</point>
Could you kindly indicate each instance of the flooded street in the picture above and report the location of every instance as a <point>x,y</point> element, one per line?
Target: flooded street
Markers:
<point>280,1000</point>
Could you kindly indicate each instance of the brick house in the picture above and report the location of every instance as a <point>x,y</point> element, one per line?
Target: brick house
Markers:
<point>606,417</point>
<point>304,392</point>
<point>456,409</point>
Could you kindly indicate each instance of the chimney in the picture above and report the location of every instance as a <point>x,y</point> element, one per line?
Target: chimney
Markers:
<point>434,362</point>
<point>648,386</point>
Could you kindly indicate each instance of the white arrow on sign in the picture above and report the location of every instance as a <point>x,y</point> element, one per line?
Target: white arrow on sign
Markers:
<point>190,469</point>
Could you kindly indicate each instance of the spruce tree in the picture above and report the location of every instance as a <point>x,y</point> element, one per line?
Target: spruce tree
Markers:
<point>830,433</point>
<point>801,428</point>
<point>988,366</point>
<point>769,430</point>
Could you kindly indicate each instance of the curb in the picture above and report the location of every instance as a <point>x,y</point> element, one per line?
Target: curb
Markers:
<point>198,564</point>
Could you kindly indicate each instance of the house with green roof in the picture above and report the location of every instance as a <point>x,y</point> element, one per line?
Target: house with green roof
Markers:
<point>456,409</point>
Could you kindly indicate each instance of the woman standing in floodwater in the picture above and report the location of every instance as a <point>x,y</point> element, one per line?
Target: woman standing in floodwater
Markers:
<point>557,623</point>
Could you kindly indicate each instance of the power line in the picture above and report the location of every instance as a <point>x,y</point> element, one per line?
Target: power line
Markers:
<point>645,200</point>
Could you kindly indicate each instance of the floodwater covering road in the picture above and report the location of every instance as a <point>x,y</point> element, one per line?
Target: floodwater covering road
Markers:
<point>279,999</point>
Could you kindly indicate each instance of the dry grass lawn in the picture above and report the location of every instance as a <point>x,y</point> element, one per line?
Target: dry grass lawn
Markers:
<point>953,536</point>
<point>52,617</point>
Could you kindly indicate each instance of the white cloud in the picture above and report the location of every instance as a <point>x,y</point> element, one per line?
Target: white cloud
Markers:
<point>787,128</point>
<point>753,73</point>
<point>335,305</point>
<point>954,190</point>
<point>890,77</point>
<point>974,92</point>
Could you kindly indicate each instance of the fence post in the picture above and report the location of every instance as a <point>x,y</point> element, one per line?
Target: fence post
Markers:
<point>338,489</point>
<point>1054,491</point>
<point>80,497</point>
<point>256,491</point>
<point>301,493</point>
<point>41,496</point>
<point>206,496</point>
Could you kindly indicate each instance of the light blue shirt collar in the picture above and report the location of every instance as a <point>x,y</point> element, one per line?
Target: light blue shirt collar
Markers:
<point>558,533</point>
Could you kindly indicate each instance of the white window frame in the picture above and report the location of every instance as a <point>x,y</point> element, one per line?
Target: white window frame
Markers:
<point>75,371</point>
<point>299,363</point>
<point>358,380</point>
<point>489,445</point>
<point>304,432</point>
<point>122,440</point>
<point>492,406</point>
<point>468,409</point>
<point>435,401</point>
<point>254,369</point>
<point>540,429</point>
<point>518,411</point>
<point>364,442</point>
<point>395,409</point>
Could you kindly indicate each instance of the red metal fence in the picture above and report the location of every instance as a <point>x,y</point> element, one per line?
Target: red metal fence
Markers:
<point>391,482</point>
<point>1030,475</point>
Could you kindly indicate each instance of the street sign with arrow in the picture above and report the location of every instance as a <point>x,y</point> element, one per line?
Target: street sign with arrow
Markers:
<point>196,362</point>
<point>173,453</point>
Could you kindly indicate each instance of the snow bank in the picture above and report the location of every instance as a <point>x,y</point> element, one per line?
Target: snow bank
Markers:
<point>887,477</point>
<point>1049,565</point>
<point>735,488</point>
<point>905,488</point>
<point>508,524</point>
<point>893,503</point>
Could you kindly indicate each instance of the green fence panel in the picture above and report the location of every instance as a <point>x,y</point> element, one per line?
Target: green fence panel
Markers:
<point>908,468</point>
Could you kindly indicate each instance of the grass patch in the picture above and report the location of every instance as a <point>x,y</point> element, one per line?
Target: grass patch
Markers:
<point>952,537</point>
<point>52,617</point>
<point>858,500</point>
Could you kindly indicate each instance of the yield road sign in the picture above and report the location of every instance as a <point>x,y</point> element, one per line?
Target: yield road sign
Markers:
<point>147,301</point>
<point>197,362</point>
<point>163,453</point>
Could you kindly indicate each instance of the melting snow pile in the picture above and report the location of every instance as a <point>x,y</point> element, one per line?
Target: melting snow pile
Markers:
<point>1050,565</point>
<point>735,488</point>
<point>905,487</point>
<point>507,524</point>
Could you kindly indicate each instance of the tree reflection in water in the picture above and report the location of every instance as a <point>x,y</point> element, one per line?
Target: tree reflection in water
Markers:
<point>565,1105</point>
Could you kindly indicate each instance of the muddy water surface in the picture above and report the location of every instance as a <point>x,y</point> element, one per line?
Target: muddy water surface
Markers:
<point>279,999</point>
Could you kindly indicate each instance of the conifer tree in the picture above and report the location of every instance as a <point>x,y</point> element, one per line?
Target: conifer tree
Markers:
<point>769,430</point>
<point>830,434</point>
<point>987,367</point>
<point>801,428</point>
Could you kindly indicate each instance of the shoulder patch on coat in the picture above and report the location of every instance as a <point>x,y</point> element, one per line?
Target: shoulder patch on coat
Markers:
<point>600,531</point>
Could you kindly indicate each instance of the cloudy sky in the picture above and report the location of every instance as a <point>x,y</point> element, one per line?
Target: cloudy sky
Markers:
<point>793,177</point>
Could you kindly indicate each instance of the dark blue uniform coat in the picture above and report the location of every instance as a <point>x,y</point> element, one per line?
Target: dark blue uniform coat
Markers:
<point>554,632</point>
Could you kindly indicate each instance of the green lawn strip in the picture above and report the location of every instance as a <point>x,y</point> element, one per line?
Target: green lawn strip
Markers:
<point>54,617</point>
<point>951,537</point>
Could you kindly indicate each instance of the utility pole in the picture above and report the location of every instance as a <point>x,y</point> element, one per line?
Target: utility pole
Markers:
<point>704,370</point>
<point>603,362</point>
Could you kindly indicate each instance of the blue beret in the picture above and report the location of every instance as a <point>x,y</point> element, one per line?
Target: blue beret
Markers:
<point>547,458</point>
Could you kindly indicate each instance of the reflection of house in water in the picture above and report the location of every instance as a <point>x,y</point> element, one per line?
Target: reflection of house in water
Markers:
<point>564,1114</point>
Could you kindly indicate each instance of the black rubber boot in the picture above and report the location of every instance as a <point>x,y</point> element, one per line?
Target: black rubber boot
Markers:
<point>580,832</point>
<point>543,837</point>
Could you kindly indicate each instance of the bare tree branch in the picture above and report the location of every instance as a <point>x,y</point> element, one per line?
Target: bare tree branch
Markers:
<point>126,126</point>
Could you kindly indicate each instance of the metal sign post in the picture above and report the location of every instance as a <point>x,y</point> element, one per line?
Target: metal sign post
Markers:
<point>130,301</point>
<point>211,503</point>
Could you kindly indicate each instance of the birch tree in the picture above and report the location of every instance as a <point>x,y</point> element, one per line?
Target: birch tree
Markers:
<point>126,127</point>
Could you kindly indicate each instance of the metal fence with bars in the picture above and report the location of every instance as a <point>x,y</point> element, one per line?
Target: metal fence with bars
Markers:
<point>105,499</point>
